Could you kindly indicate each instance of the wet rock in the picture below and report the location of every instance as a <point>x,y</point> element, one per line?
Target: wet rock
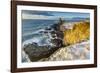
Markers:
<point>36,52</point>
<point>41,32</point>
<point>58,34</point>
<point>56,42</point>
<point>48,28</point>
<point>55,26</point>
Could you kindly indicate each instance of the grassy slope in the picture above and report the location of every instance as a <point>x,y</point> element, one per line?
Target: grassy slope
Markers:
<point>80,32</point>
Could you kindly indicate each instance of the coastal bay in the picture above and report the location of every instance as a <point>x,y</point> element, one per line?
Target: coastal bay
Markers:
<point>57,38</point>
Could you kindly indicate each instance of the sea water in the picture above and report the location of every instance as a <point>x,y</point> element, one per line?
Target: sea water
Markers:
<point>31,30</point>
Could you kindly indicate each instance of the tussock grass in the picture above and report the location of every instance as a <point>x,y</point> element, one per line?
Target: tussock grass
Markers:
<point>80,32</point>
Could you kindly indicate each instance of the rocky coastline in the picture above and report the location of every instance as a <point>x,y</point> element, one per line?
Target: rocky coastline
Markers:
<point>79,51</point>
<point>35,52</point>
<point>58,44</point>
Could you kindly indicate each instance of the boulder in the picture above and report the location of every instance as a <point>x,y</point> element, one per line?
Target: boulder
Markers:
<point>36,52</point>
<point>79,51</point>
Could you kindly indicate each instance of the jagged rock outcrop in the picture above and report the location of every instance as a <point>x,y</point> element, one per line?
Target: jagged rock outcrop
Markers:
<point>36,52</point>
<point>78,51</point>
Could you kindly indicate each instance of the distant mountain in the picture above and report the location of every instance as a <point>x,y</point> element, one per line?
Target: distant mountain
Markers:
<point>80,18</point>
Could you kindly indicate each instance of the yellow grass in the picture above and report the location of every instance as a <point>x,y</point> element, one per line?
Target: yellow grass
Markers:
<point>80,32</point>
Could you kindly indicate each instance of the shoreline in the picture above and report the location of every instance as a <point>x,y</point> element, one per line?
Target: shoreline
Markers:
<point>37,50</point>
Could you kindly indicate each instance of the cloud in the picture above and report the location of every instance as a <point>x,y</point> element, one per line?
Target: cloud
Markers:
<point>45,13</point>
<point>34,16</point>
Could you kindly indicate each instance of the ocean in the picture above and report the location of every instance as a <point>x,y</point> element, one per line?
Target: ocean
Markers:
<point>31,29</point>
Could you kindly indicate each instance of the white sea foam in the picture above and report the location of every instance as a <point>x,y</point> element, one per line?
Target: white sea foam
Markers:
<point>35,32</point>
<point>41,41</point>
<point>31,41</point>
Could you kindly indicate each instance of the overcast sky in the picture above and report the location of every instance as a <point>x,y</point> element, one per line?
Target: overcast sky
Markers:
<point>30,14</point>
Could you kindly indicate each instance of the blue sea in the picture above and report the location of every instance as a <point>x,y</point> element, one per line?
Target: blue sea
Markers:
<point>31,29</point>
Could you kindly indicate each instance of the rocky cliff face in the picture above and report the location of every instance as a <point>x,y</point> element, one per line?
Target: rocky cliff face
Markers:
<point>78,51</point>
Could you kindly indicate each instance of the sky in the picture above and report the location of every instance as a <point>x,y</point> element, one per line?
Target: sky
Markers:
<point>52,15</point>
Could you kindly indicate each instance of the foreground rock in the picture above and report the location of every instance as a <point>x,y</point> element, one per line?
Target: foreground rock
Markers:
<point>78,51</point>
<point>36,52</point>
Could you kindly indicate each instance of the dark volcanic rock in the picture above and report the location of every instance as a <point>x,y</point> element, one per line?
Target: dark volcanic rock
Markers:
<point>53,32</point>
<point>48,28</point>
<point>36,52</point>
<point>57,42</point>
<point>58,34</point>
<point>55,26</point>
